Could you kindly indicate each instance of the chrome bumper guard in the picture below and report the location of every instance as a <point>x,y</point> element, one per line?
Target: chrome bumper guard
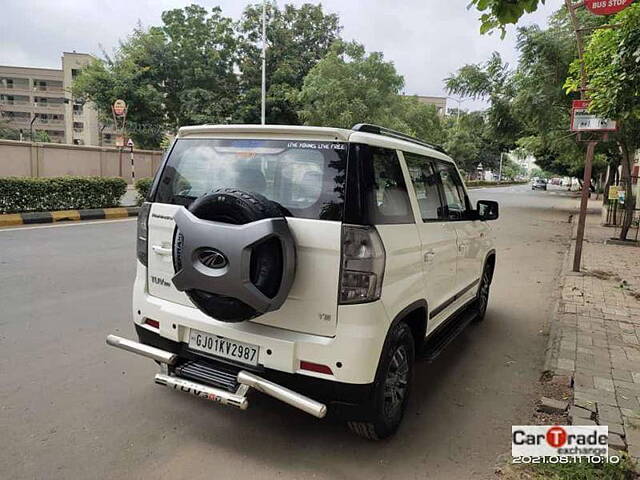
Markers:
<point>238,399</point>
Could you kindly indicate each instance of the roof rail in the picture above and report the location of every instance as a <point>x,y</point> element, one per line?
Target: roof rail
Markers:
<point>387,132</point>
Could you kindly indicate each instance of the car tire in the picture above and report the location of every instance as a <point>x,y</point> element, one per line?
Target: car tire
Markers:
<point>394,379</point>
<point>237,207</point>
<point>482,300</point>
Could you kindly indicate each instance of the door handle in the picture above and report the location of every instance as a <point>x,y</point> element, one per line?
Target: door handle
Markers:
<point>159,250</point>
<point>428,256</point>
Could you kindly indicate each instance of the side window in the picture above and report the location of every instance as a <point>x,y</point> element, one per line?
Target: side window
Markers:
<point>425,183</point>
<point>455,207</point>
<point>385,192</point>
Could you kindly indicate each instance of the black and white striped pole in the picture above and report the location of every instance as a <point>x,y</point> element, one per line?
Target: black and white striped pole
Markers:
<point>133,169</point>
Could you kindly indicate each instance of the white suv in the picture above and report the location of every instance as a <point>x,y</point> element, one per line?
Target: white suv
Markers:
<point>310,264</point>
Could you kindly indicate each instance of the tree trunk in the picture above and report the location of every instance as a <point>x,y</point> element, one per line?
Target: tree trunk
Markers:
<point>629,201</point>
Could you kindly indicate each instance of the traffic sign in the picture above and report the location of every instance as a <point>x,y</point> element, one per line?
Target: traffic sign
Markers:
<point>583,121</point>
<point>130,143</point>
<point>606,7</point>
<point>119,108</point>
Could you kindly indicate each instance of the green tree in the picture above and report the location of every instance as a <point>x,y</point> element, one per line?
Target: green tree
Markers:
<point>496,14</point>
<point>41,136</point>
<point>130,75</point>
<point>7,132</point>
<point>612,62</point>
<point>297,39</point>
<point>176,74</point>
<point>349,86</point>
<point>411,116</point>
<point>491,81</point>
<point>195,66</point>
<point>511,170</point>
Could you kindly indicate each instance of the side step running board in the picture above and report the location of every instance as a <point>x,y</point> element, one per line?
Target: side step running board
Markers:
<point>455,326</point>
<point>238,399</point>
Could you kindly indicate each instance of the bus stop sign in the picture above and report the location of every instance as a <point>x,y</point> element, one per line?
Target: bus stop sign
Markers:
<point>606,7</point>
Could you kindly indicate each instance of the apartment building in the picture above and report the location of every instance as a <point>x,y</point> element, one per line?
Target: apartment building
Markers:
<point>39,99</point>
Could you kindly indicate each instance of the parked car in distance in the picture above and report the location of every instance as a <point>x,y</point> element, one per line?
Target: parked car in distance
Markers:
<point>539,184</point>
<point>310,264</point>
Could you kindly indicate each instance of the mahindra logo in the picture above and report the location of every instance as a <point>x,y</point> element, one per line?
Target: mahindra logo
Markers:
<point>212,258</point>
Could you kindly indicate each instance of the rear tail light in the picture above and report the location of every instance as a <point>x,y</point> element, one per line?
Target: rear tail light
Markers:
<point>363,260</point>
<point>143,233</point>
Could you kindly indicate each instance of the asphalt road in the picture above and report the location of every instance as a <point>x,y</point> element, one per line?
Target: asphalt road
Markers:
<point>73,408</point>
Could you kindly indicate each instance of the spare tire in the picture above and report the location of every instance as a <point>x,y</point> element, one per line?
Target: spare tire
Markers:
<point>236,207</point>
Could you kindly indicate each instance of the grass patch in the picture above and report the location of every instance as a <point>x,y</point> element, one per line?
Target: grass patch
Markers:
<point>571,471</point>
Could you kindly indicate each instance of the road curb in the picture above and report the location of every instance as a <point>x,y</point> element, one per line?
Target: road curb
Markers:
<point>29,218</point>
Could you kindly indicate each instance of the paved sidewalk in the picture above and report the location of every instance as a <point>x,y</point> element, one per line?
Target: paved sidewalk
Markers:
<point>595,336</point>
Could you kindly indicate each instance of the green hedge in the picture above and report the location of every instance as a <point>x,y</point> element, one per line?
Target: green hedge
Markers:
<point>143,186</point>
<point>484,183</point>
<point>19,194</point>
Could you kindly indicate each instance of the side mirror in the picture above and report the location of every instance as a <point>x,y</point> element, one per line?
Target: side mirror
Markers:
<point>488,210</point>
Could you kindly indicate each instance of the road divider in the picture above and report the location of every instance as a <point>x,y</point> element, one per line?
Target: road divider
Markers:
<point>29,218</point>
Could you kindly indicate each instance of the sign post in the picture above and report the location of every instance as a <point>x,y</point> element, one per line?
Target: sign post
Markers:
<point>133,170</point>
<point>581,119</point>
<point>119,112</point>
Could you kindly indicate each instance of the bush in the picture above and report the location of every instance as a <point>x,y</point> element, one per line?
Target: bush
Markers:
<point>19,194</point>
<point>484,183</point>
<point>143,186</point>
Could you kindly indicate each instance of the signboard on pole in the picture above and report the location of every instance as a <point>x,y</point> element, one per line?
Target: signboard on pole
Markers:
<point>583,121</point>
<point>119,108</point>
<point>606,7</point>
<point>613,192</point>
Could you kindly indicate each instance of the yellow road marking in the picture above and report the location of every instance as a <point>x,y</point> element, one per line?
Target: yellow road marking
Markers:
<point>115,212</point>
<point>10,219</point>
<point>65,215</point>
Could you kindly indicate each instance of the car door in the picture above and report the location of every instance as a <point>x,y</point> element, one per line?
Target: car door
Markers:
<point>471,233</point>
<point>438,237</point>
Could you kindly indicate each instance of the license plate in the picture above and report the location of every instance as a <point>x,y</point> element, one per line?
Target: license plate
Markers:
<point>224,347</point>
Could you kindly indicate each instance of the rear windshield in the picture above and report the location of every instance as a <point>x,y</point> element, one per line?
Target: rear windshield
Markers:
<point>306,178</point>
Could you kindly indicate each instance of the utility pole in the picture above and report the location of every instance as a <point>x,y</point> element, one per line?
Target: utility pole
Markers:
<point>500,171</point>
<point>588,163</point>
<point>264,61</point>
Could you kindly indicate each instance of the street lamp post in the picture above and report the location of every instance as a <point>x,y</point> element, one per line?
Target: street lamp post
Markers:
<point>35,116</point>
<point>264,62</point>
<point>460,102</point>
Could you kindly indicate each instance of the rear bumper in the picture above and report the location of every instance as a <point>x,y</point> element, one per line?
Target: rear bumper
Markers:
<point>344,401</point>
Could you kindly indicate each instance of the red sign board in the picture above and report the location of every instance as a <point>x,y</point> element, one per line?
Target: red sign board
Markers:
<point>581,104</point>
<point>607,7</point>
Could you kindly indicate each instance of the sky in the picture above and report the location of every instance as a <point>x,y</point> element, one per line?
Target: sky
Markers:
<point>425,39</point>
